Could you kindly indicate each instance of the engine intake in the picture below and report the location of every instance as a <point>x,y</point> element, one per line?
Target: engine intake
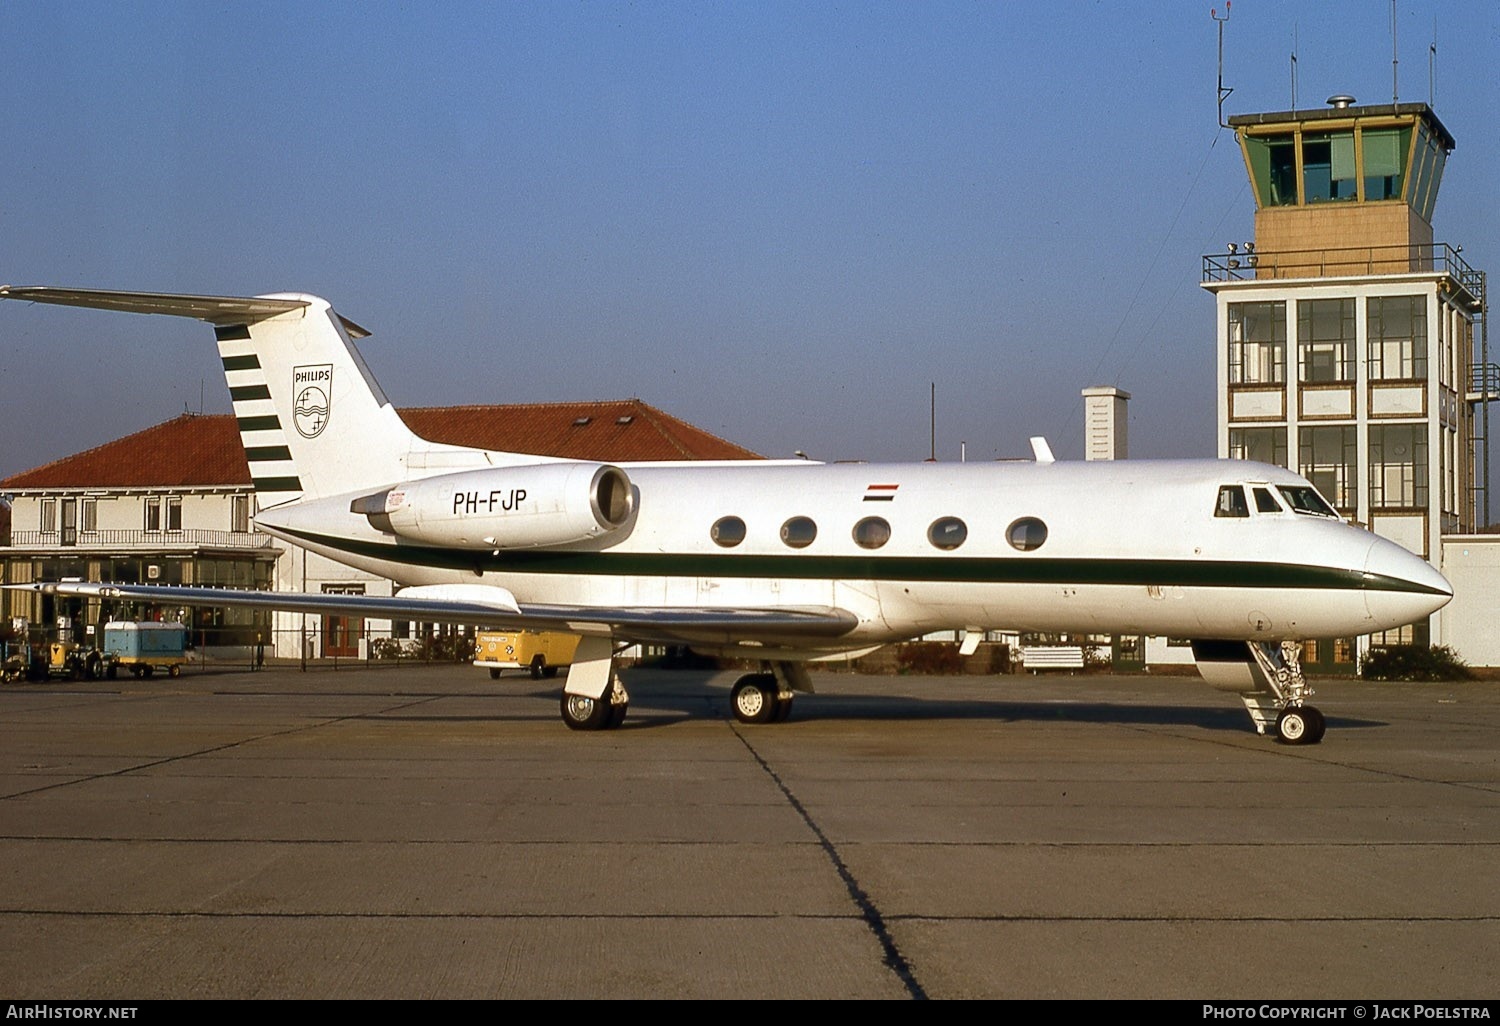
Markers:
<point>534,506</point>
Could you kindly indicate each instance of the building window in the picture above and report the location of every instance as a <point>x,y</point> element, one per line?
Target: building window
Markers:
<point>239,513</point>
<point>1325,340</point>
<point>174,513</point>
<point>1262,444</point>
<point>1257,343</point>
<point>153,513</point>
<point>1327,457</point>
<point>1398,466</point>
<point>49,516</point>
<point>1398,338</point>
<point>1328,167</point>
<point>89,514</point>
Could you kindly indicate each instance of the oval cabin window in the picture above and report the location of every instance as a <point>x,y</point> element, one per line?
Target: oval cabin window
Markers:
<point>799,532</point>
<point>947,533</point>
<point>727,532</point>
<point>871,533</point>
<point>1026,534</point>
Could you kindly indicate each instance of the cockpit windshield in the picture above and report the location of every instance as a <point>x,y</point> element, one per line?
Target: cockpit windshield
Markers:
<point>1306,500</point>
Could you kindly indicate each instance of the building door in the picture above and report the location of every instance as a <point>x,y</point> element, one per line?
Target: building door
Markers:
<point>341,634</point>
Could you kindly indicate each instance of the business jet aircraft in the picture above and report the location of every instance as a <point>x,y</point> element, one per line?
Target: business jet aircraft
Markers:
<point>784,562</point>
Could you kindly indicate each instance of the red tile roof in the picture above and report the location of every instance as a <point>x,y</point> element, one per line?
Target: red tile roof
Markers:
<point>203,451</point>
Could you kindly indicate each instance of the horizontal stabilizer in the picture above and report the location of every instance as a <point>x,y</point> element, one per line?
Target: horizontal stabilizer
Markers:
<point>213,309</point>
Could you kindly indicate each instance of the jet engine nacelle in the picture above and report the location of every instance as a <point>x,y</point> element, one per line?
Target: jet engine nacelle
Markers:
<point>505,507</point>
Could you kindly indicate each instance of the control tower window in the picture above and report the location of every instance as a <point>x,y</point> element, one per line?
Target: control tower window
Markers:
<point>1385,157</point>
<point>1273,169</point>
<point>1328,167</point>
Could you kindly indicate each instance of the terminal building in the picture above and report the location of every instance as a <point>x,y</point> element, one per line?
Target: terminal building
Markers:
<point>1351,348</point>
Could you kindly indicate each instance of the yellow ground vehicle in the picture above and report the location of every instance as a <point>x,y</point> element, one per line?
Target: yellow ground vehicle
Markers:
<point>541,652</point>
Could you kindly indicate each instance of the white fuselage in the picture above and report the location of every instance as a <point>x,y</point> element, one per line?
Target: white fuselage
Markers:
<point>1132,547</point>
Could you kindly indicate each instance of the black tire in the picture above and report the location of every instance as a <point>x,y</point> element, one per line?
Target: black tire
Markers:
<point>174,670</point>
<point>95,667</point>
<point>582,713</point>
<point>494,673</point>
<point>754,698</point>
<point>549,672</point>
<point>617,714</point>
<point>538,667</point>
<point>1317,726</point>
<point>783,709</point>
<point>112,672</point>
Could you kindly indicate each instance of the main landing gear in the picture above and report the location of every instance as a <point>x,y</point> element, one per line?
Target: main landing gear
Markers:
<point>766,697</point>
<point>583,713</point>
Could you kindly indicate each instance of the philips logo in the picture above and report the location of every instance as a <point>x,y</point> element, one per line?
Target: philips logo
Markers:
<point>312,388</point>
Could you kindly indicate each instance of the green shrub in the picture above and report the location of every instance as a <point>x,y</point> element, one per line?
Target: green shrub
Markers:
<point>1412,662</point>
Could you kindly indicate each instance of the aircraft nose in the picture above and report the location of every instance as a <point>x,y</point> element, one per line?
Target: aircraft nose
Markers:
<point>1403,587</point>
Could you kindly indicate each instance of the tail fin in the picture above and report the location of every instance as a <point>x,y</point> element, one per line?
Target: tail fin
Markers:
<point>312,418</point>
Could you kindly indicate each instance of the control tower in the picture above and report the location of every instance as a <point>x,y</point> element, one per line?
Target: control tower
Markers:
<point>1346,336</point>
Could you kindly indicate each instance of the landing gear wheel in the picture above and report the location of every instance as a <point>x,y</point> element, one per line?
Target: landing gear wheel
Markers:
<point>754,698</point>
<point>583,713</point>
<point>1299,725</point>
<point>617,713</point>
<point>1316,727</point>
<point>783,709</point>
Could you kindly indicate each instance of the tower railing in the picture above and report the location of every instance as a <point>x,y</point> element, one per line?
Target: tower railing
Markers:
<point>1250,264</point>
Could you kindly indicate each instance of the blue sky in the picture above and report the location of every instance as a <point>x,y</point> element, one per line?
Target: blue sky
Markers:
<point>782,222</point>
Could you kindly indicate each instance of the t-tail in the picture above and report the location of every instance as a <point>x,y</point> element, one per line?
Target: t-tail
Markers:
<point>312,418</point>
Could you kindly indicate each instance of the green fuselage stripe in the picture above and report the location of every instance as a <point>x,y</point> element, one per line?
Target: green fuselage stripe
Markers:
<point>936,569</point>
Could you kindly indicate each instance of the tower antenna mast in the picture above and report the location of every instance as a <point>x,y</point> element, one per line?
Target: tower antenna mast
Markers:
<point>1223,93</point>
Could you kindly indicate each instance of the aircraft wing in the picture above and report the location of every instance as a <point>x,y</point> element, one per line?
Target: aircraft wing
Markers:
<point>466,605</point>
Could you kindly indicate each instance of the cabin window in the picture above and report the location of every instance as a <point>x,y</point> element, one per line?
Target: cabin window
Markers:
<point>1265,502</point>
<point>1306,500</point>
<point>799,532</point>
<point>871,533</point>
<point>727,532</point>
<point>947,533</point>
<point>1232,502</point>
<point>1026,534</point>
